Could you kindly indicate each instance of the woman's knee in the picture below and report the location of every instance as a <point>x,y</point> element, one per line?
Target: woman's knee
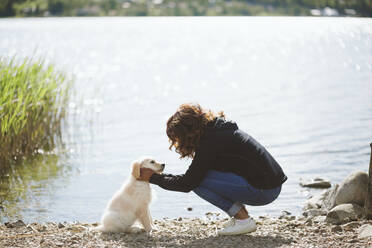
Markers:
<point>271,195</point>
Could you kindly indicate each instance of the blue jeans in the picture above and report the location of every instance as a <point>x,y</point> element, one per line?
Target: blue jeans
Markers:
<point>229,192</point>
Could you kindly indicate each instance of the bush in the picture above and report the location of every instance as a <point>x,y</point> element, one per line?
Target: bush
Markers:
<point>33,98</point>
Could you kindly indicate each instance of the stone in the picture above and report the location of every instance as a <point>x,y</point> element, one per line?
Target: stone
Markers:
<point>316,183</point>
<point>365,231</point>
<point>290,218</point>
<point>60,225</point>
<point>353,189</point>
<point>351,225</point>
<point>285,212</point>
<point>189,209</point>
<point>314,212</point>
<point>309,222</point>
<point>284,215</point>
<point>336,229</point>
<point>323,201</point>
<point>344,213</point>
<point>319,219</point>
<point>18,223</point>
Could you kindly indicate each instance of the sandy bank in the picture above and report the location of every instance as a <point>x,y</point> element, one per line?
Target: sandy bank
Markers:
<point>187,232</point>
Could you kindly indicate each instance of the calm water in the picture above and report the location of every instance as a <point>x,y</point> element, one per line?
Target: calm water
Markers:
<point>301,86</point>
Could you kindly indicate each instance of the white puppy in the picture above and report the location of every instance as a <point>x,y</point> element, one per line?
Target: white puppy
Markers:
<point>131,202</point>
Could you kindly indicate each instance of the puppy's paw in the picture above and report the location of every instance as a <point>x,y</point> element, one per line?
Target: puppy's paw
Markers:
<point>135,230</point>
<point>154,228</point>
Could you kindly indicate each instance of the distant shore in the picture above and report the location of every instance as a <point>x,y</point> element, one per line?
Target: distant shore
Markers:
<point>290,231</point>
<point>23,8</point>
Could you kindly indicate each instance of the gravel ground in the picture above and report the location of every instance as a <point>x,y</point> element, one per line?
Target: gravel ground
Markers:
<point>188,232</point>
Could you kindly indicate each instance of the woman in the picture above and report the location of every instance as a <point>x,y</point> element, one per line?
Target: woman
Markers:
<point>229,168</point>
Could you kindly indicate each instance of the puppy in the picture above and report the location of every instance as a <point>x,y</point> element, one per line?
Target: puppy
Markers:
<point>131,202</point>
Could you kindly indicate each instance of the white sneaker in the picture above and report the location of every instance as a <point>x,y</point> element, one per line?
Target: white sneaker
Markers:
<point>230,222</point>
<point>235,227</point>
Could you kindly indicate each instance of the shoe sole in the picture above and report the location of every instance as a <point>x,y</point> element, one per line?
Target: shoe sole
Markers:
<point>236,233</point>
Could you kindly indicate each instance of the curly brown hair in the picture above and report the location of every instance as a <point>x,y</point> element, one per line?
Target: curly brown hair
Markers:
<point>186,126</point>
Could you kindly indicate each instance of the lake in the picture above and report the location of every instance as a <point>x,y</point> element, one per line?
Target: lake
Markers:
<point>301,86</point>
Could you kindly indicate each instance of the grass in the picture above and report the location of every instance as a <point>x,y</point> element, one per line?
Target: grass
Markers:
<point>33,99</point>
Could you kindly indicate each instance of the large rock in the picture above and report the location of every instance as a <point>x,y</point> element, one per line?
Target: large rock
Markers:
<point>365,231</point>
<point>323,201</point>
<point>353,189</point>
<point>344,213</point>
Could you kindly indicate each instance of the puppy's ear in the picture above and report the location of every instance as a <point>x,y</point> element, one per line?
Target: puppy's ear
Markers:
<point>136,170</point>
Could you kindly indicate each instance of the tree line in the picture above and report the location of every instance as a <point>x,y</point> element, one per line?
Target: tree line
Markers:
<point>24,8</point>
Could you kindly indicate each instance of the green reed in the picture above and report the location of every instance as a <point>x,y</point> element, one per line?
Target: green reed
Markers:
<point>33,102</point>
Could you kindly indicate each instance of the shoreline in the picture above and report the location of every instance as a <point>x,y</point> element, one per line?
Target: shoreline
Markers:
<point>284,231</point>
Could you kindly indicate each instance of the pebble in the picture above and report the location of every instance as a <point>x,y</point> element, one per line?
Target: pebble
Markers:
<point>351,225</point>
<point>60,225</point>
<point>319,219</point>
<point>314,212</point>
<point>309,222</point>
<point>18,223</point>
<point>189,232</point>
<point>336,229</point>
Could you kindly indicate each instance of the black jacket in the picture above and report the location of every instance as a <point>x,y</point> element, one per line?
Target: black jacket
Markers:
<point>224,147</point>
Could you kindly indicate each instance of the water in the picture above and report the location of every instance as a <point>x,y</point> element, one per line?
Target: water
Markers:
<point>300,86</point>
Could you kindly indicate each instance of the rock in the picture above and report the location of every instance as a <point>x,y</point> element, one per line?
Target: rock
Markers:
<point>288,217</point>
<point>336,229</point>
<point>314,212</point>
<point>316,183</point>
<point>284,215</point>
<point>189,209</point>
<point>323,201</point>
<point>365,231</point>
<point>42,228</point>
<point>344,213</point>
<point>351,226</point>
<point>18,223</point>
<point>301,218</point>
<point>319,219</point>
<point>353,189</point>
<point>60,225</point>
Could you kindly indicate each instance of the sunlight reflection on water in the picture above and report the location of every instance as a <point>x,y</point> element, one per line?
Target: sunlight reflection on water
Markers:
<point>301,86</point>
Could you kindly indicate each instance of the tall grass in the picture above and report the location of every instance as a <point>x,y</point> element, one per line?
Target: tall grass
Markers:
<point>33,99</point>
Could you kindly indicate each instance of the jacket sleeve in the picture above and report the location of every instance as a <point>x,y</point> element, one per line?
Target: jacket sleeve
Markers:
<point>196,172</point>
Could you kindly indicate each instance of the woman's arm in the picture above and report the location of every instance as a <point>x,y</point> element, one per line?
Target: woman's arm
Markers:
<point>202,162</point>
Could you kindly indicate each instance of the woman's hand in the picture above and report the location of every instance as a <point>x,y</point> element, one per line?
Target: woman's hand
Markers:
<point>145,175</point>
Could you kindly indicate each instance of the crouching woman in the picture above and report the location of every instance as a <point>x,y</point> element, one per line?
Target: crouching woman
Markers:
<point>229,168</point>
